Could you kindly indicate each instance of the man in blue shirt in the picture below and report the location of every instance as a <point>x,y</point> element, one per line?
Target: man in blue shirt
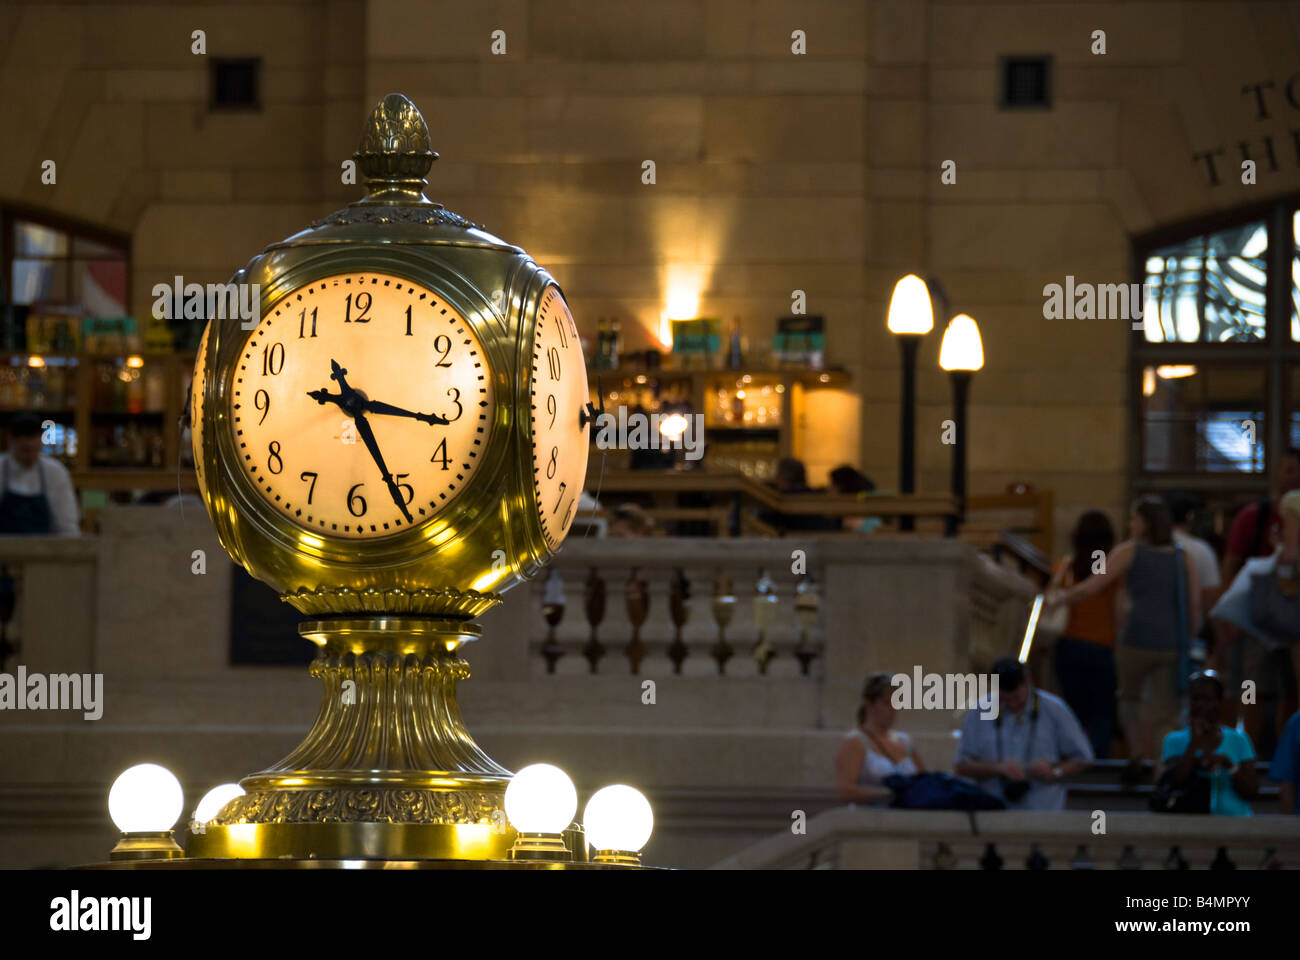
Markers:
<point>1285,767</point>
<point>1025,753</point>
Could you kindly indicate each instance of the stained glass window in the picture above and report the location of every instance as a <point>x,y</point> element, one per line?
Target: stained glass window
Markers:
<point>1209,289</point>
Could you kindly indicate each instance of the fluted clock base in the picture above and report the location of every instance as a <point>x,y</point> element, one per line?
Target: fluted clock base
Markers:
<point>388,771</point>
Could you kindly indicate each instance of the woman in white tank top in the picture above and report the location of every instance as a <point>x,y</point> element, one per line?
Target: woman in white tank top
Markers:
<point>873,751</point>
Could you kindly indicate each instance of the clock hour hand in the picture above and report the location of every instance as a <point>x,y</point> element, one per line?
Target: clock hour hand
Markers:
<point>324,396</point>
<point>368,437</point>
<point>377,406</point>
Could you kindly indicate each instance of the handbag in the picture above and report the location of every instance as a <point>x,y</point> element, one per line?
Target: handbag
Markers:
<point>1192,796</point>
<point>1275,615</point>
<point>935,790</point>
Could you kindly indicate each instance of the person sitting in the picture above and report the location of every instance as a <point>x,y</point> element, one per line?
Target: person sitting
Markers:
<point>792,478</point>
<point>874,750</point>
<point>848,481</point>
<point>1285,767</point>
<point>1206,748</point>
<point>1024,752</point>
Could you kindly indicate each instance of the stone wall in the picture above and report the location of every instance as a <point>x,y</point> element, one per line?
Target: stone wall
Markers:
<point>775,172</point>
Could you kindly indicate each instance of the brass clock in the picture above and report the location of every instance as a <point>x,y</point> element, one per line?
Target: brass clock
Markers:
<point>399,437</point>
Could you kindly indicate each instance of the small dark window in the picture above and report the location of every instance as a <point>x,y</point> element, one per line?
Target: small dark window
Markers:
<point>1026,82</point>
<point>235,84</point>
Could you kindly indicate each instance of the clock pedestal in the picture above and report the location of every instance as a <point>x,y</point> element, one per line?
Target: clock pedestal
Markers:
<point>388,770</point>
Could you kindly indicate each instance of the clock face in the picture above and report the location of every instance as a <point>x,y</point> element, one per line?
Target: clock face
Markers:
<point>558,395</point>
<point>360,406</point>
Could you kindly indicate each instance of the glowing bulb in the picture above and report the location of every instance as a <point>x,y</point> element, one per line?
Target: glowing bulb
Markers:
<point>145,798</point>
<point>673,426</point>
<point>541,799</point>
<point>1175,371</point>
<point>215,799</point>
<point>35,361</point>
<point>135,362</point>
<point>618,818</point>
<point>909,307</point>
<point>961,349</point>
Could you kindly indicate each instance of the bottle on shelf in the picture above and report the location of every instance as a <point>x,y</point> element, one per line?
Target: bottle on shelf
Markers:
<point>601,360</point>
<point>735,358</point>
<point>615,344</point>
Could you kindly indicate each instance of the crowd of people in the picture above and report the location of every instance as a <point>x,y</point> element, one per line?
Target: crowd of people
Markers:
<point>1182,646</point>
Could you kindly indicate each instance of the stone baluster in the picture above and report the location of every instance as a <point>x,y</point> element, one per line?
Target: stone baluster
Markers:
<point>724,609</point>
<point>807,608</point>
<point>552,613</point>
<point>765,610</point>
<point>593,597</point>
<point>679,594</point>
<point>637,599</point>
<point>8,598</point>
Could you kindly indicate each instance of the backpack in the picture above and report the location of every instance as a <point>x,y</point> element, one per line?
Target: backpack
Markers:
<point>939,791</point>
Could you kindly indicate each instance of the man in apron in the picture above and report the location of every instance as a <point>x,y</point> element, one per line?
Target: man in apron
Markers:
<point>36,492</point>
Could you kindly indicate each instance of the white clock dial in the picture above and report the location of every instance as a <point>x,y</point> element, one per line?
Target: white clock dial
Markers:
<point>360,406</point>
<point>558,397</point>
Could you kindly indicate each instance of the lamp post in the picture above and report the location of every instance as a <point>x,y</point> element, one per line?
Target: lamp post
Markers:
<point>961,355</point>
<point>910,318</point>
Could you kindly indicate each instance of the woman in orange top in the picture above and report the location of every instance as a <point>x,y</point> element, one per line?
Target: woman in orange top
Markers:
<point>1085,653</point>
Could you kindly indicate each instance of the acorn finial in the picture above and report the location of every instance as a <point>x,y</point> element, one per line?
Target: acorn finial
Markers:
<point>395,154</point>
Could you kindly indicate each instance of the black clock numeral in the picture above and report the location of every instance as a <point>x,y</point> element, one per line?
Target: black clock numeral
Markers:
<point>559,326</point>
<point>273,359</point>
<point>559,497</point>
<point>550,466</point>
<point>361,310</point>
<point>353,499</point>
<point>454,393</point>
<point>568,515</point>
<point>553,359</point>
<point>438,344</point>
<point>302,322</point>
<point>550,408</point>
<point>408,319</point>
<point>441,449</point>
<point>410,494</point>
<point>273,461</point>
<point>312,489</point>
<point>262,400</point>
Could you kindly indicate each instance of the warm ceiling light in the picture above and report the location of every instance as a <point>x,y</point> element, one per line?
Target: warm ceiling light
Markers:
<point>1149,382</point>
<point>135,361</point>
<point>1176,371</point>
<point>673,426</point>
<point>909,307</point>
<point>35,361</point>
<point>961,349</point>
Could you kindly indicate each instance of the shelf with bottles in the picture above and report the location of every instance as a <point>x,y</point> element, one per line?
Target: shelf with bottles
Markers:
<point>744,401</point>
<point>38,383</point>
<point>135,442</point>
<point>133,384</point>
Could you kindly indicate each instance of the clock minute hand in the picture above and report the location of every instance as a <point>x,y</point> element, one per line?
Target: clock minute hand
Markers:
<point>368,437</point>
<point>377,406</point>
